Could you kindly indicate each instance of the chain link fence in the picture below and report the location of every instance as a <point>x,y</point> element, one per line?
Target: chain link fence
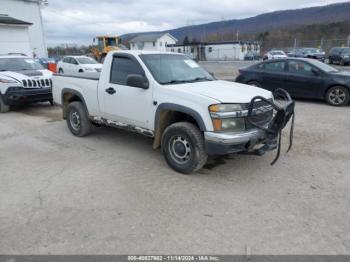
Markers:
<point>288,45</point>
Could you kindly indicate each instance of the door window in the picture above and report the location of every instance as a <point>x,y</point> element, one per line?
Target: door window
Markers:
<point>122,67</point>
<point>66,60</point>
<point>300,68</point>
<point>275,67</point>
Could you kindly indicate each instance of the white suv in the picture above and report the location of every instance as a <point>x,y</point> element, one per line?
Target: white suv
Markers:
<point>23,80</point>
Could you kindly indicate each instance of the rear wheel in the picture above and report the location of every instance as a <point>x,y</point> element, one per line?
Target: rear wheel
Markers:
<point>183,147</point>
<point>338,96</point>
<point>3,107</point>
<point>330,61</point>
<point>254,83</point>
<point>77,119</point>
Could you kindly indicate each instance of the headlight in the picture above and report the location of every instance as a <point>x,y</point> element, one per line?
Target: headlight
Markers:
<point>226,117</point>
<point>7,81</point>
<point>225,108</point>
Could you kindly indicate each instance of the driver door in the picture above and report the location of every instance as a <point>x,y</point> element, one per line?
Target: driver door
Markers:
<point>122,103</point>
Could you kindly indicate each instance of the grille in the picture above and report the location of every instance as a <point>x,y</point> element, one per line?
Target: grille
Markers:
<point>37,83</point>
<point>261,118</point>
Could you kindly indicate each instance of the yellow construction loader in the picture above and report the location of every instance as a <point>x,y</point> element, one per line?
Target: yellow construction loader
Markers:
<point>103,45</point>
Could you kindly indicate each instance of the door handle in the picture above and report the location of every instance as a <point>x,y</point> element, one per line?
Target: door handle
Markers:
<point>110,91</point>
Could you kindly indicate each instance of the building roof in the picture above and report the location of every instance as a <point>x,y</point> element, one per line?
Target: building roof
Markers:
<point>240,42</point>
<point>149,37</point>
<point>5,19</point>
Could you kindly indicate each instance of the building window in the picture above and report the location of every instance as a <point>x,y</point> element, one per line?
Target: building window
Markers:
<point>179,50</point>
<point>160,43</point>
<point>210,49</point>
<point>172,50</point>
<point>166,44</point>
<point>192,50</point>
<point>154,44</point>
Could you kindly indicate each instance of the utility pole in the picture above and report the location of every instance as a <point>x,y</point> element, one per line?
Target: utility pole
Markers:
<point>295,43</point>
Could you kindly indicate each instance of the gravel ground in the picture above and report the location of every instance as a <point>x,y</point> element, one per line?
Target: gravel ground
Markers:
<point>110,193</point>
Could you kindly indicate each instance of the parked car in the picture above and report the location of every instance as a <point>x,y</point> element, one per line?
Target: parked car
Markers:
<point>169,97</point>
<point>339,55</point>
<point>293,52</point>
<point>302,78</point>
<point>251,56</point>
<point>313,53</point>
<point>274,54</point>
<point>23,80</point>
<point>73,65</point>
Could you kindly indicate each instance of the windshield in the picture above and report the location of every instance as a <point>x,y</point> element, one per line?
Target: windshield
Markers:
<point>86,60</point>
<point>19,64</point>
<point>277,53</point>
<point>312,50</point>
<point>175,69</point>
<point>323,66</point>
<point>346,51</point>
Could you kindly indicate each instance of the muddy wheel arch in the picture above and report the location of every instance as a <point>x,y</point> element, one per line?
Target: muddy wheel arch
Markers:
<point>69,96</point>
<point>168,114</point>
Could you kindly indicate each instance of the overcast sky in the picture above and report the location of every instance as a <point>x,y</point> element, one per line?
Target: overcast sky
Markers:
<point>78,21</point>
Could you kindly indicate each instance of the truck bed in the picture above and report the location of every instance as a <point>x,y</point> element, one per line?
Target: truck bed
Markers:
<point>86,86</point>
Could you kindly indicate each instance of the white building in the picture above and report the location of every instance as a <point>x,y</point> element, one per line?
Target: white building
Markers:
<point>28,11</point>
<point>14,36</point>
<point>217,51</point>
<point>157,41</point>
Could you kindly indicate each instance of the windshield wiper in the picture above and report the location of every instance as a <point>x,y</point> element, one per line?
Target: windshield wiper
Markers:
<point>187,81</point>
<point>174,82</point>
<point>200,79</point>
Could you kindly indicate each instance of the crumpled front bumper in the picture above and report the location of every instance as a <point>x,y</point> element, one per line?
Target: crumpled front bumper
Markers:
<point>266,135</point>
<point>229,143</point>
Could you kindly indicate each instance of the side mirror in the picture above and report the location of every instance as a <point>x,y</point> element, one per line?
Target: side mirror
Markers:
<point>315,71</point>
<point>138,81</point>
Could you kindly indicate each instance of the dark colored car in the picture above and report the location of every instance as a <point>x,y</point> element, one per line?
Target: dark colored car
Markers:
<point>313,53</point>
<point>252,56</point>
<point>302,78</point>
<point>339,55</point>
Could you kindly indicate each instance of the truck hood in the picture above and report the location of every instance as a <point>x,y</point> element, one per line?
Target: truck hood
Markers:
<point>225,91</point>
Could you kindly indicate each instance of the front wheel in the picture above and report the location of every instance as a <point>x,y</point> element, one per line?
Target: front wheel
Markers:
<point>338,96</point>
<point>77,119</point>
<point>183,147</point>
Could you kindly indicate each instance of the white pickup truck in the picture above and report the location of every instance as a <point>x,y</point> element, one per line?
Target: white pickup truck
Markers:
<point>170,98</point>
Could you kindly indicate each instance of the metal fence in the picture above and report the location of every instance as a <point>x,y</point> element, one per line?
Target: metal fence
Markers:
<point>287,45</point>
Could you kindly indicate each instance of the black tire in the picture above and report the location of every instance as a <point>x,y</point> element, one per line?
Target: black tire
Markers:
<point>338,96</point>
<point>3,107</point>
<point>81,71</point>
<point>183,147</point>
<point>342,63</point>
<point>77,119</point>
<point>254,83</point>
<point>330,61</point>
<point>60,71</point>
